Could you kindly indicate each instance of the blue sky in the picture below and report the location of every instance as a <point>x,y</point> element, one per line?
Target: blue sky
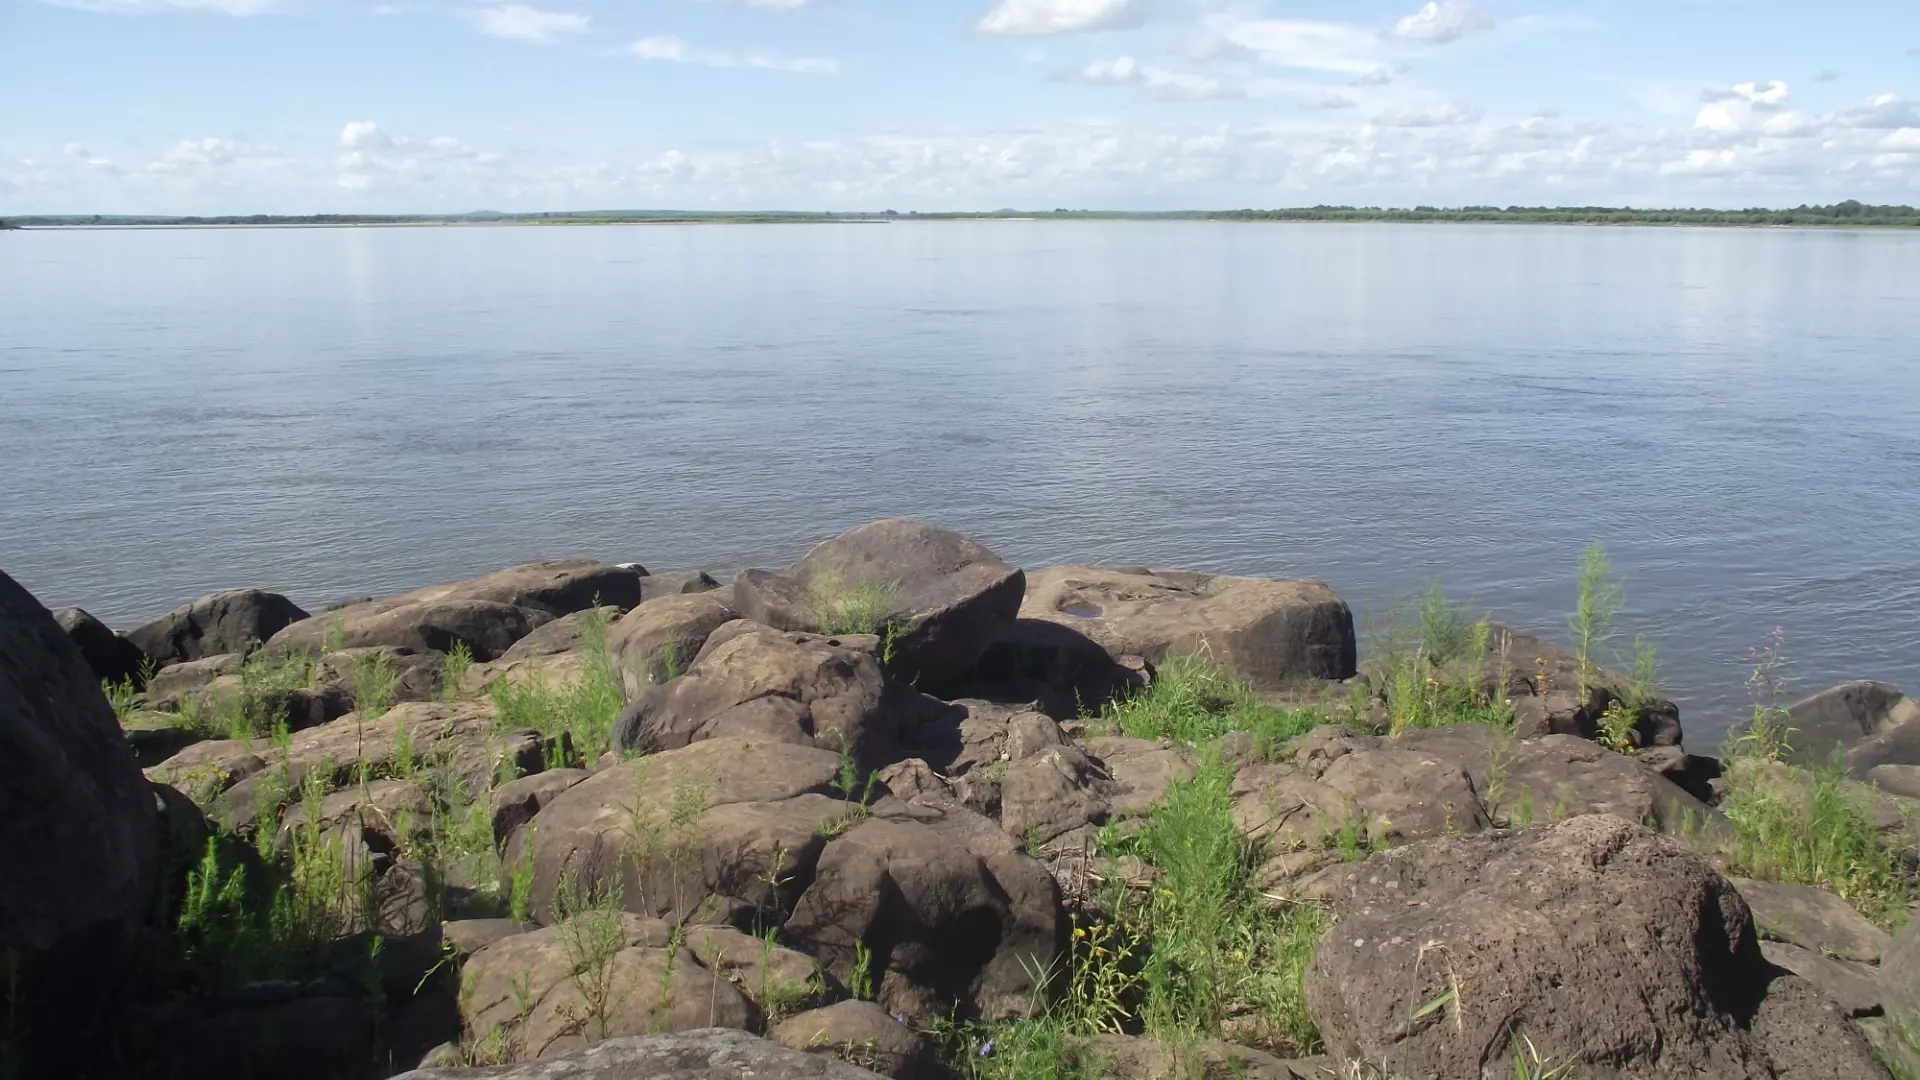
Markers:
<point>288,106</point>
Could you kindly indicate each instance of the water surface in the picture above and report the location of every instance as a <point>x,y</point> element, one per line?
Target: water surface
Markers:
<point>325,412</point>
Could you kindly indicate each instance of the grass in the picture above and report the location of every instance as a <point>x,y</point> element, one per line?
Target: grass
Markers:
<point>1195,701</point>
<point>842,605</point>
<point>1597,600</point>
<point>1177,960</point>
<point>576,717</point>
<point>1806,828</point>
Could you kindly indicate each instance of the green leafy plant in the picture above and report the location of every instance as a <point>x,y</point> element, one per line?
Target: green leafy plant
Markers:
<point>842,604</point>
<point>453,674</point>
<point>1597,600</point>
<point>860,978</point>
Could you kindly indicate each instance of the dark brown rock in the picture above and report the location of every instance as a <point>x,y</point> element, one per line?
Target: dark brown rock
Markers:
<point>1858,721</point>
<point>78,836</point>
<point>515,803</point>
<point>112,657</point>
<point>233,621</point>
<point>860,1032</point>
<point>683,830</point>
<point>953,911</point>
<point>753,681</point>
<point>1603,943</point>
<point>659,639</point>
<point>676,583</point>
<point>1273,634</point>
<point>710,1054</point>
<point>1812,919</point>
<point>946,597</point>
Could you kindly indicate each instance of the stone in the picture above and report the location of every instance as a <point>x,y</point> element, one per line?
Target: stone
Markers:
<point>1813,919</point>
<point>1051,792</point>
<point>112,657</point>
<point>487,614</point>
<point>1610,946</point>
<point>676,583</point>
<point>1857,720</point>
<point>945,597</point>
<point>753,681</point>
<point>1853,986</point>
<point>1544,680</point>
<point>1900,973</point>
<point>232,621</point>
<point>861,1033</point>
<point>707,1054</point>
<point>79,837</point>
<point>469,936</point>
<point>660,639</point>
<point>953,912</point>
<point>176,681</point>
<point>597,975</point>
<point>779,980</point>
<point>1136,1057</point>
<point>516,802</point>
<point>1141,770</point>
<point>685,829</point>
<point>1275,635</point>
<point>457,739</point>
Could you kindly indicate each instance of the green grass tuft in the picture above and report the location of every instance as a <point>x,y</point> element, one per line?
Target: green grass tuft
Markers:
<point>1195,701</point>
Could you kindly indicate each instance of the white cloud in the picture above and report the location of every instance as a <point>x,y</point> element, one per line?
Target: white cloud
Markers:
<point>671,49</point>
<point>1441,21</point>
<point>1153,82</point>
<point>1421,116</point>
<point>1780,157</point>
<point>1748,106</point>
<point>148,7</point>
<point>1300,43</point>
<point>1377,77</point>
<point>1880,113</point>
<point>1056,16</point>
<point>523,23</point>
<point>1329,99</point>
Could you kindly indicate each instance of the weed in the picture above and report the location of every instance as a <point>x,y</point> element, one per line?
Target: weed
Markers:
<point>842,605</point>
<point>123,696</point>
<point>453,674</point>
<point>592,934</point>
<point>1811,831</point>
<point>1196,701</point>
<point>336,634</point>
<point>520,888</point>
<point>1529,1065</point>
<point>860,979</point>
<point>1769,733</point>
<point>579,714</point>
<point>1444,627</point>
<point>1597,600</point>
<point>374,681</point>
<point>1616,727</point>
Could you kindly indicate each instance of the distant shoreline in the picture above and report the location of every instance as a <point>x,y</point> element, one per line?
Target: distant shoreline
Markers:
<point>1842,215</point>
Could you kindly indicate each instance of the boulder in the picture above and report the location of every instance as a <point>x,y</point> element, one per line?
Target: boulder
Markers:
<point>944,597</point>
<point>1853,986</point>
<point>659,639</point>
<point>722,824</point>
<point>78,831</point>
<point>232,621</point>
<point>112,657</point>
<point>753,681</point>
<point>707,1054</point>
<point>1136,1057</point>
<point>1812,919</point>
<point>1900,974</point>
<point>457,742</point>
<point>487,614</point>
<point>1604,944</point>
<point>676,583</point>
<point>861,1033</point>
<point>1273,634</point>
<point>1058,669</point>
<point>557,653</point>
<point>1861,721</point>
<point>516,802</point>
<point>174,682</point>
<point>595,976</point>
<point>1437,781</point>
<point>1141,770</point>
<point>778,980</point>
<point>951,911</point>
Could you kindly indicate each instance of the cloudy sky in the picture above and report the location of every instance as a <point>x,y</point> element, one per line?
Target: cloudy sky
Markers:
<point>289,106</point>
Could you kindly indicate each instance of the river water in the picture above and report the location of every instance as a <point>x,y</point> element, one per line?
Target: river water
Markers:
<point>325,412</point>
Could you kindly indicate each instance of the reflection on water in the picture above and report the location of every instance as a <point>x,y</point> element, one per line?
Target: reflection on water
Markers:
<point>1736,414</point>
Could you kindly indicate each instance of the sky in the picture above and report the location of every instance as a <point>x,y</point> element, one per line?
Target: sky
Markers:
<point>395,106</point>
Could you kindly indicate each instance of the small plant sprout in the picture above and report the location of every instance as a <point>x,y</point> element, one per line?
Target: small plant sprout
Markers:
<point>1597,600</point>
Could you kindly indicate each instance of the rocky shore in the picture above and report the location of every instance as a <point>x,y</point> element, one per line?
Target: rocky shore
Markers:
<point>903,809</point>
